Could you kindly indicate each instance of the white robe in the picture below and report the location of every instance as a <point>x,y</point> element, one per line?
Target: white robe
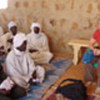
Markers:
<point>39,43</point>
<point>21,68</point>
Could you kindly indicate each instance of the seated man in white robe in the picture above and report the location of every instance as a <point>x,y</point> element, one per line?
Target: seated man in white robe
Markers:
<point>8,89</point>
<point>20,67</point>
<point>38,45</point>
<point>7,38</point>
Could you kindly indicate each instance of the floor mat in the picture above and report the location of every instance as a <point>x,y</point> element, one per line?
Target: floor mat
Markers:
<point>60,65</point>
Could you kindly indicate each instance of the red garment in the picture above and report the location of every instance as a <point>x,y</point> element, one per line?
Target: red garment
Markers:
<point>96,36</point>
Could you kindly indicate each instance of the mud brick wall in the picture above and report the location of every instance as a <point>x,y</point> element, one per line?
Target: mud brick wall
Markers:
<point>61,20</point>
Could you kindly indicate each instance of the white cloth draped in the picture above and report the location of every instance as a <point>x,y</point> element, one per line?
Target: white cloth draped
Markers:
<point>7,84</point>
<point>39,42</point>
<point>19,66</point>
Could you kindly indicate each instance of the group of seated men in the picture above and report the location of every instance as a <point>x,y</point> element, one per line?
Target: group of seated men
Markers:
<point>24,55</point>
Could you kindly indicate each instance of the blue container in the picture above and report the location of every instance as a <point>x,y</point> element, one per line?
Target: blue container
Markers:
<point>88,56</point>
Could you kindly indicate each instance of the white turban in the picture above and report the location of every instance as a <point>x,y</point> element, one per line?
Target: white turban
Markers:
<point>11,24</point>
<point>19,39</point>
<point>35,25</point>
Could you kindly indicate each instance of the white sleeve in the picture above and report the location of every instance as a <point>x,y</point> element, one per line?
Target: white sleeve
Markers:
<point>45,44</point>
<point>12,72</point>
<point>31,65</point>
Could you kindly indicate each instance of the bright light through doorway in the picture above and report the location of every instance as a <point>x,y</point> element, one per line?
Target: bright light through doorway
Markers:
<point>3,4</point>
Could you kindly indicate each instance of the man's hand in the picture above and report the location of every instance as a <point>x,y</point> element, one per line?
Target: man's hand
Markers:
<point>2,52</point>
<point>31,50</point>
<point>34,76</point>
<point>96,52</point>
<point>91,43</point>
<point>10,41</point>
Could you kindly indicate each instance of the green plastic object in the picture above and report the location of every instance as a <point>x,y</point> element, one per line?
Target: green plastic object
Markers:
<point>95,65</point>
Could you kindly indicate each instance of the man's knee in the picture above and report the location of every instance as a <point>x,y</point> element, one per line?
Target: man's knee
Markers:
<point>4,97</point>
<point>18,92</point>
<point>41,73</point>
<point>49,56</point>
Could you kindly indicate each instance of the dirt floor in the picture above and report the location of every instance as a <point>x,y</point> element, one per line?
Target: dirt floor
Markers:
<point>76,72</point>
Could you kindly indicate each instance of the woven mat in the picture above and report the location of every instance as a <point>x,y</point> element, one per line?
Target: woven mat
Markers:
<point>53,71</point>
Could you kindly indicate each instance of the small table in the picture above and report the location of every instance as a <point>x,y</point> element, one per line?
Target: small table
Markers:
<point>77,44</point>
